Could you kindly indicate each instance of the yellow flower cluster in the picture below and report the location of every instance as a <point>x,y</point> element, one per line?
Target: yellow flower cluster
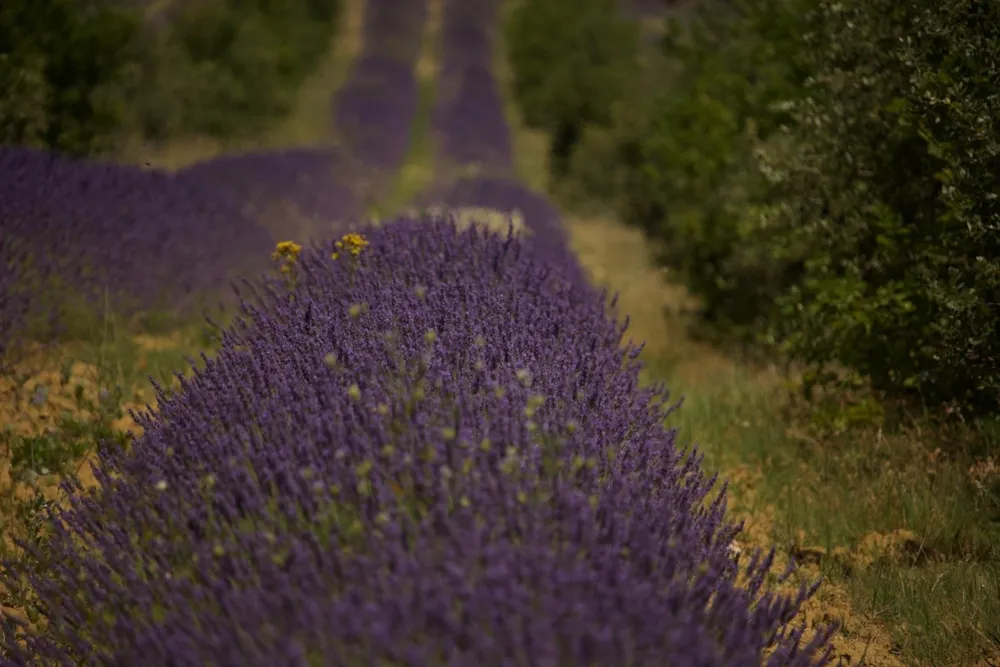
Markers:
<point>286,252</point>
<point>352,243</point>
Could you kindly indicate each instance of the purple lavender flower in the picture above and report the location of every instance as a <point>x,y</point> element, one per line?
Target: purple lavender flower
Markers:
<point>548,237</point>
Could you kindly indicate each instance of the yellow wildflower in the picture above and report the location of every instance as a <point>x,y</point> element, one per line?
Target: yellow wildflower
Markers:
<point>355,242</point>
<point>288,250</point>
<point>352,243</point>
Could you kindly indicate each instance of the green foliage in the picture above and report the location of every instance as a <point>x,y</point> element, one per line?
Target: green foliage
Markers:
<point>62,67</point>
<point>823,175</point>
<point>892,189</point>
<point>571,61</point>
<point>79,76</point>
<point>690,180</point>
<point>229,68</point>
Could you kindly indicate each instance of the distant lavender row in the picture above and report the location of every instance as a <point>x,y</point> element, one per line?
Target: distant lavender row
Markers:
<point>394,28</point>
<point>295,193</point>
<point>641,9</point>
<point>374,110</point>
<point>436,454</point>
<point>158,238</point>
<point>468,121</point>
<point>472,131</point>
<point>149,237</point>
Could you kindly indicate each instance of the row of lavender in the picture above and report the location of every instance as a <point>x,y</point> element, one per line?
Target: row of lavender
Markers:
<point>645,9</point>
<point>468,118</point>
<point>375,109</point>
<point>86,226</point>
<point>160,239</point>
<point>429,451</point>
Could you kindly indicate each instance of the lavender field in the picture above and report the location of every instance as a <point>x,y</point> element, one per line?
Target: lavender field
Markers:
<point>246,426</point>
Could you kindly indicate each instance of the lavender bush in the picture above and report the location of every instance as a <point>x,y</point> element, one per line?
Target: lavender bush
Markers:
<point>374,111</point>
<point>473,133</point>
<point>432,452</point>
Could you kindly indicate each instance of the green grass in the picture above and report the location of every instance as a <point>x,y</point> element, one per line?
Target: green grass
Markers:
<point>905,535</point>
<point>908,541</point>
<point>898,526</point>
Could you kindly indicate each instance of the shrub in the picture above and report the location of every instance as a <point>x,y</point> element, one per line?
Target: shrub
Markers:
<point>228,68</point>
<point>64,66</point>
<point>81,76</point>
<point>689,177</point>
<point>570,61</point>
<point>823,175</point>
<point>892,187</point>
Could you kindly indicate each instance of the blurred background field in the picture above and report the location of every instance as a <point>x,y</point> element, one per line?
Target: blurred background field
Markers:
<point>795,199</point>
